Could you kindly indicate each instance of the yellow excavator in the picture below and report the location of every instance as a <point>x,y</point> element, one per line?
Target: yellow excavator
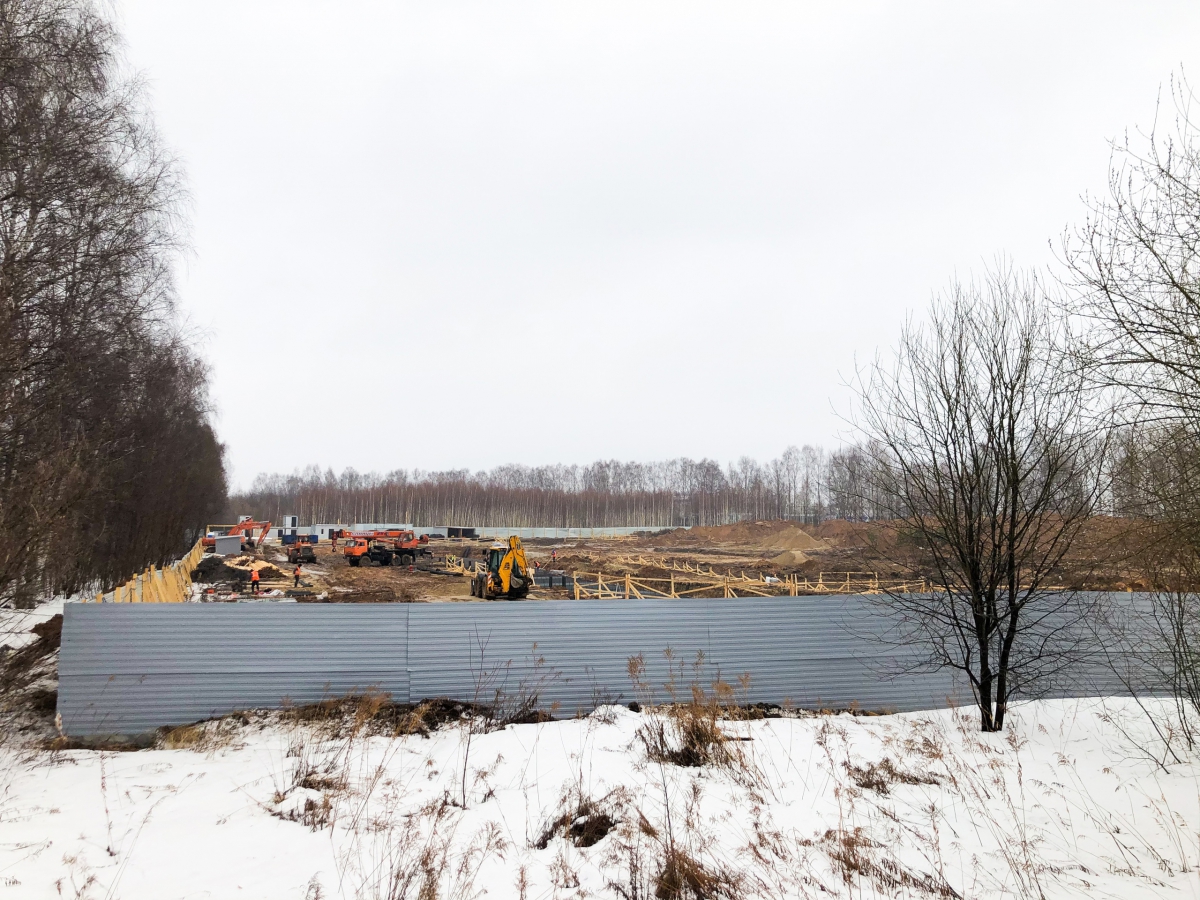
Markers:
<point>505,575</point>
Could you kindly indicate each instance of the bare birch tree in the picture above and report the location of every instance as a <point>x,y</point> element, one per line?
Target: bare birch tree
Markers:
<point>105,444</point>
<point>1136,268</point>
<point>988,466</point>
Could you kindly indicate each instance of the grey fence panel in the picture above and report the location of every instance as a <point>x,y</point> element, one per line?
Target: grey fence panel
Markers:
<point>126,669</point>
<point>823,652</point>
<point>586,646</point>
<point>129,668</point>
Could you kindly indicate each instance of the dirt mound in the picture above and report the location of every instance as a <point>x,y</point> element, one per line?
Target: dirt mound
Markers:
<point>772,535</point>
<point>790,558</point>
<point>839,533</point>
<point>214,569</point>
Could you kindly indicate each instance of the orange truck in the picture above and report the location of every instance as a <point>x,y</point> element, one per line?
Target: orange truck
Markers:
<point>383,547</point>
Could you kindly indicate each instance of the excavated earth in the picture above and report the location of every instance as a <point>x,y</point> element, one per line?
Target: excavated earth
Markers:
<point>1112,554</point>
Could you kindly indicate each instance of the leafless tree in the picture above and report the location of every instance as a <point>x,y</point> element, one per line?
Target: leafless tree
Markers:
<point>988,465</point>
<point>1136,283</point>
<point>1136,262</point>
<point>1135,267</point>
<point>103,419</point>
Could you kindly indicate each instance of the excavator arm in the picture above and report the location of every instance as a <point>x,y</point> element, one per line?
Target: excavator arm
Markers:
<point>514,566</point>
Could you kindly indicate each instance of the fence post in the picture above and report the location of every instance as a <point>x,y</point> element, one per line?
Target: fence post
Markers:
<point>626,585</point>
<point>672,582</point>
<point>575,581</point>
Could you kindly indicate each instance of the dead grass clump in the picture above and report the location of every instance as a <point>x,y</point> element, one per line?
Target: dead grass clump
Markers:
<point>855,856</point>
<point>586,825</point>
<point>315,768</point>
<point>202,737</point>
<point>100,744</point>
<point>654,867</point>
<point>374,713</point>
<point>687,736</point>
<point>880,776</point>
<point>430,715</point>
<point>688,730</point>
<point>314,813</point>
<point>683,877</point>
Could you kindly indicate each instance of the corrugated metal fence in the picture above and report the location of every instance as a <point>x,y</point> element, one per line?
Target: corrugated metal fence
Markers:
<point>127,669</point>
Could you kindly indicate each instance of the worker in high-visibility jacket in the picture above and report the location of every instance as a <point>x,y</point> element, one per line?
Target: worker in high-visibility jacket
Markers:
<point>297,576</point>
<point>254,581</point>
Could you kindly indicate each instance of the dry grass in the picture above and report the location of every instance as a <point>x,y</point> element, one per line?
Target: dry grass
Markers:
<point>880,776</point>
<point>683,877</point>
<point>859,858</point>
<point>203,737</point>
<point>418,856</point>
<point>584,823</point>
<point>662,864</point>
<point>689,730</point>
<point>374,713</point>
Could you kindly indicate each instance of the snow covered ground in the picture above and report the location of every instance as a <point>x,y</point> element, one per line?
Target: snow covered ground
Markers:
<point>1068,802</point>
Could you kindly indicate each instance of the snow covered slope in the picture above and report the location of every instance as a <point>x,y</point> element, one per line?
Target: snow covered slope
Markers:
<point>1064,804</point>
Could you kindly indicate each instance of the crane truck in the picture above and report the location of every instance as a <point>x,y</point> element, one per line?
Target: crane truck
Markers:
<point>383,547</point>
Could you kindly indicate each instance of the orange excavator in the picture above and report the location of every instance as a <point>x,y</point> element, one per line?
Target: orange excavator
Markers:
<point>245,528</point>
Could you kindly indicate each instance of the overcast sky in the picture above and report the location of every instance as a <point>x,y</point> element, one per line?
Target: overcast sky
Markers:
<point>441,235</point>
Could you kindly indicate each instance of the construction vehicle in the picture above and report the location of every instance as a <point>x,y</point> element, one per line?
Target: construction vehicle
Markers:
<point>245,528</point>
<point>360,550</point>
<point>301,551</point>
<point>384,547</point>
<point>408,547</point>
<point>505,574</point>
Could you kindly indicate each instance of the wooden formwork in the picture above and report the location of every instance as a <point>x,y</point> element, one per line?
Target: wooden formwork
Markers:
<point>697,582</point>
<point>170,584</point>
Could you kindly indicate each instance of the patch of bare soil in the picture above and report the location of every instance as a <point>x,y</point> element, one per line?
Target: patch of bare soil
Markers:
<point>29,682</point>
<point>771,535</point>
<point>1111,554</point>
<point>422,582</point>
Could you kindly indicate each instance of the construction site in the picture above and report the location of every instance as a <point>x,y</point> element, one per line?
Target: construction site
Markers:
<point>767,558</point>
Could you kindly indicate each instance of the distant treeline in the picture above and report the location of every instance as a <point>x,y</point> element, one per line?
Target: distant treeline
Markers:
<point>607,493</point>
<point>806,484</point>
<point>108,461</point>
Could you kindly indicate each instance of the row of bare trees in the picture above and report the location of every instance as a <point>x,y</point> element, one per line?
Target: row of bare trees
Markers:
<point>107,458</point>
<point>806,484</point>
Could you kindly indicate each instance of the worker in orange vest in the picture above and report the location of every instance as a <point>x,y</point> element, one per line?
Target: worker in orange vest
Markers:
<point>254,581</point>
<point>297,576</point>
